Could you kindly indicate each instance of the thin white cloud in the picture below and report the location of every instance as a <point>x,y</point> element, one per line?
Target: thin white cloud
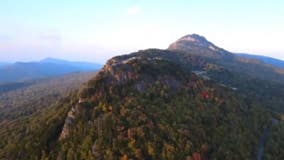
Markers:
<point>134,10</point>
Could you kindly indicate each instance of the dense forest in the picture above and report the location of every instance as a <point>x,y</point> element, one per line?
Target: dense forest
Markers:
<point>25,98</point>
<point>154,104</point>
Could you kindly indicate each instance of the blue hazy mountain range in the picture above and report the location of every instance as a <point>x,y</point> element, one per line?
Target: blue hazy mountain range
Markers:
<point>269,60</point>
<point>49,67</point>
<point>2,64</point>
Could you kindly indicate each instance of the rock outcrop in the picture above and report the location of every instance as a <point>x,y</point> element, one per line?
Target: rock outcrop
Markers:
<point>199,45</point>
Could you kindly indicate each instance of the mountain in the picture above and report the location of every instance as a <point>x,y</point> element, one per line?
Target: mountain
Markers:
<point>192,104</point>
<point>82,65</point>
<point>2,64</point>
<point>248,76</point>
<point>199,45</point>
<point>269,60</point>
<point>151,104</point>
<point>49,67</point>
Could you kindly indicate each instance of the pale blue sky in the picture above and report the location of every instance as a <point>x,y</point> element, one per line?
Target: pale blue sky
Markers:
<point>95,30</point>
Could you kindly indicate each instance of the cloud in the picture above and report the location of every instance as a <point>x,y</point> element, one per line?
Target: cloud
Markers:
<point>134,10</point>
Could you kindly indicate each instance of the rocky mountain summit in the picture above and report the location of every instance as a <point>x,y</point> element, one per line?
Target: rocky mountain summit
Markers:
<point>199,45</point>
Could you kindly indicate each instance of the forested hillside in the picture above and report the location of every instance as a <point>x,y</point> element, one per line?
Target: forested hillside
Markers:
<point>152,104</point>
<point>23,99</point>
<point>269,60</point>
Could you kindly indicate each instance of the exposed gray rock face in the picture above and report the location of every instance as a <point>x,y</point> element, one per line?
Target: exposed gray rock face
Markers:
<point>199,45</point>
<point>68,123</point>
<point>79,108</point>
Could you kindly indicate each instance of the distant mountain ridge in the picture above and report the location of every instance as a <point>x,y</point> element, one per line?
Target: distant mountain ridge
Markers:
<point>79,64</point>
<point>2,64</point>
<point>273,61</point>
<point>21,71</point>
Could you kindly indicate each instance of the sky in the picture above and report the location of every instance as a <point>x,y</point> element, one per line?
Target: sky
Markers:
<point>96,30</point>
